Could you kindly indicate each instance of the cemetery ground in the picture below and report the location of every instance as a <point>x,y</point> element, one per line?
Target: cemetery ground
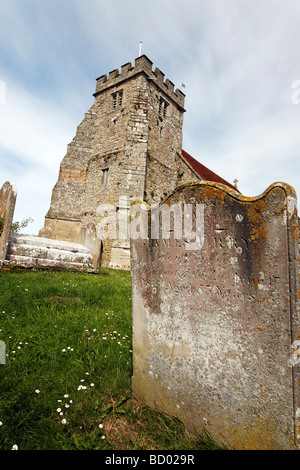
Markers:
<point>66,383</point>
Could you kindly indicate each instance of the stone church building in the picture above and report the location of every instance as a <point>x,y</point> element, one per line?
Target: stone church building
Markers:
<point>129,145</point>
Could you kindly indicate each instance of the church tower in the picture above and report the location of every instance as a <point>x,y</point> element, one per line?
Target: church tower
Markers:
<point>128,147</point>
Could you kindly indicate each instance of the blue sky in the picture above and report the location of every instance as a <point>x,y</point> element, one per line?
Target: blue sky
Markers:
<point>238,59</point>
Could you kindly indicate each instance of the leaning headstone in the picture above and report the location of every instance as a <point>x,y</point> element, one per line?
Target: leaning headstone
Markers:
<point>216,333</point>
<point>8,195</point>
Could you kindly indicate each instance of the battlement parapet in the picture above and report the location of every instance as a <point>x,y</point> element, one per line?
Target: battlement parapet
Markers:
<point>142,65</point>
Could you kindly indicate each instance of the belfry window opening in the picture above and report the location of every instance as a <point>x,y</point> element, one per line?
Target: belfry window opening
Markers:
<point>162,107</point>
<point>120,98</point>
<point>117,99</point>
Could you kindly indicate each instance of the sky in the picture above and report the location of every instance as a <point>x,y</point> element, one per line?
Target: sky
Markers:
<point>238,59</point>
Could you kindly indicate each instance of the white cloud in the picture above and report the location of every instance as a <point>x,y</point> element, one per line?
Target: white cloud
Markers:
<point>33,126</point>
<point>240,120</point>
<point>33,140</point>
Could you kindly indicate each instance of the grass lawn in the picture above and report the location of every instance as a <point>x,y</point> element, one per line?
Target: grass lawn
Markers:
<point>66,384</point>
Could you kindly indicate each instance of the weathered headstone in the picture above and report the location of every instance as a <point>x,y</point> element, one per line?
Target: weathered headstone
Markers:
<point>2,353</point>
<point>8,195</point>
<point>216,322</point>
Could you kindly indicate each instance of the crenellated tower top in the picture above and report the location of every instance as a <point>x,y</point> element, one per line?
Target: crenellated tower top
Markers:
<point>142,65</point>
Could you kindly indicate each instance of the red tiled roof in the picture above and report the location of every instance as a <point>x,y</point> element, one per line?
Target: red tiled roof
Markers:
<point>205,173</point>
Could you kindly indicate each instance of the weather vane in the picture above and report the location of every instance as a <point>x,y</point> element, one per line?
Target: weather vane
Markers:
<point>140,50</point>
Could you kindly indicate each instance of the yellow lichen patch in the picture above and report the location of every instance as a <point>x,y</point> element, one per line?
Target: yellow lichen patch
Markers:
<point>255,216</point>
<point>295,231</point>
<point>259,435</point>
<point>212,192</point>
<point>260,232</point>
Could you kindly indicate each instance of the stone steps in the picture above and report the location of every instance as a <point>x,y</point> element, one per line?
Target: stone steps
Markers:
<point>30,251</point>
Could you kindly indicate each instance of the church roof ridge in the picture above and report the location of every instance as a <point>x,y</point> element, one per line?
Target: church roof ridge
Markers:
<point>204,172</point>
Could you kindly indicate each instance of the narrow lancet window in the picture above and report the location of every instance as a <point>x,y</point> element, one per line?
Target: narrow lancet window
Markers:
<point>105,176</point>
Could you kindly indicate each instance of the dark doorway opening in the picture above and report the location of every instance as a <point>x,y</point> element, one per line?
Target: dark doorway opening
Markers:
<point>99,262</point>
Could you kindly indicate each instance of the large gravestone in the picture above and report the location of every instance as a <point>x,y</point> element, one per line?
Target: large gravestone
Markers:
<point>215,319</point>
<point>8,195</point>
